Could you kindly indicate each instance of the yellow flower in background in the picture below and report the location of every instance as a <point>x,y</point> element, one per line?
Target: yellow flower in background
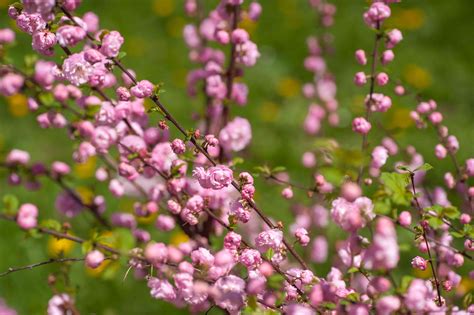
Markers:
<point>126,204</point>
<point>136,46</point>
<point>466,285</point>
<point>86,169</point>
<point>178,237</point>
<point>86,194</point>
<point>288,87</point>
<point>248,25</point>
<point>417,76</point>
<point>96,272</point>
<point>399,118</point>
<point>58,247</point>
<point>175,26</point>
<point>179,77</point>
<point>148,219</point>
<point>269,111</point>
<point>17,105</point>
<point>163,7</point>
<point>357,104</point>
<point>423,274</point>
<point>407,19</point>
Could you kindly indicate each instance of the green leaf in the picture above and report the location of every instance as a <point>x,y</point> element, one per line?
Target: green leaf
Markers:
<point>278,169</point>
<point>328,305</point>
<point>269,254</point>
<point>353,297</point>
<point>86,247</point>
<point>436,209</point>
<point>457,234</point>
<point>274,281</point>
<point>51,224</point>
<point>91,110</point>
<point>10,203</point>
<point>468,299</point>
<point>404,168</point>
<point>451,212</point>
<point>121,55</point>
<point>395,185</point>
<point>237,160</point>
<point>424,167</point>
<point>252,302</point>
<point>435,222</point>
<point>353,270</point>
<point>405,283</point>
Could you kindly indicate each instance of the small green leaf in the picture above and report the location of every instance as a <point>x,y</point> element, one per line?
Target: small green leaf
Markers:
<point>10,203</point>
<point>278,169</point>
<point>353,270</point>
<point>86,247</point>
<point>403,168</point>
<point>395,185</point>
<point>91,110</point>
<point>451,212</point>
<point>121,55</point>
<point>51,224</point>
<point>353,297</point>
<point>435,222</point>
<point>269,254</point>
<point>424,167</point>
<point>405,283</point>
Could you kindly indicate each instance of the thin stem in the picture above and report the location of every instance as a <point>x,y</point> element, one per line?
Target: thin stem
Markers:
<point>193,140</point>
<point>31,266</point>
<point>439,302</point>
<point>365,137</point>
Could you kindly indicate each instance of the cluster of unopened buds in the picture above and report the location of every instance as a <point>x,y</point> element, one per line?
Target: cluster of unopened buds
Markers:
<point>191,183</point>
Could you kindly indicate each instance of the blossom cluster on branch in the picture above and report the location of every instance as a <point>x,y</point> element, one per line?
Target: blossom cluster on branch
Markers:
<point>191,181</point>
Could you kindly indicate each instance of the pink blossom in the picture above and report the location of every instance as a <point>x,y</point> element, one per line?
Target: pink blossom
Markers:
<point>17,157</point>
<point>30,23</point>
<point>361,125</point>
<point>419,263</point>
<point>156,253</point>
<point>94,259</point>
<point>11,83</point>
<point>250,258</point>
<point>216,177</point>
<point>7,36</point>
<point>161,289</point>
<point>142,89</point>
<point>111,44</point>
<point>302,236</point>
<point>76,69</point>
<point>383,252</point>
<point>376,14</point>
<point>27,216</point>
<point>269,239</point>
<point>404,218</point>
<point>393,38</point>
<point>44,73</point>
<point>68,205</point>
<point>360,78</point>
<point>232,241</point>
<point>360,57</point>
<point>247,53</point>
<point>229,293</point>
<point>69,35</point>
<point>203,257</point>
<point>59,304</point>
<point>236,135</point>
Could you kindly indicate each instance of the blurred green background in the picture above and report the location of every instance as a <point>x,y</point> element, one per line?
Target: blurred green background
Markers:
<point>435,58</point>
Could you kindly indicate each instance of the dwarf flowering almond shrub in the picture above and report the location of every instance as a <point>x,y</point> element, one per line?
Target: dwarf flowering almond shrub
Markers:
<point>235,257</point>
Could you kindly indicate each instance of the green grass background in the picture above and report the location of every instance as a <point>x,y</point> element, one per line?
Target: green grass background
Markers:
<point>437,44</point>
